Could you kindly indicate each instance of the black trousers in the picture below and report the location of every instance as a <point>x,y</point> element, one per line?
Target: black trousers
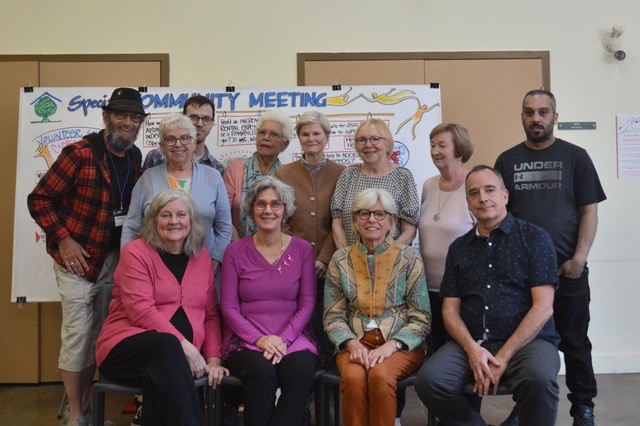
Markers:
<point>294,375</point>
<point>571,316</point>
<point>156,362</point>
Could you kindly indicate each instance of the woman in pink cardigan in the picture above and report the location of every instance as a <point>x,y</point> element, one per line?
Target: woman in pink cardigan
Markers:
<point>164,327</point>
<point>268,293</point>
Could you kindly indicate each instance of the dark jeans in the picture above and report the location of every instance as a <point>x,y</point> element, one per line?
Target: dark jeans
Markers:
<point>156,362</point>
<point>571,316</point>
<point>531,374</point>
<point>294,375</point>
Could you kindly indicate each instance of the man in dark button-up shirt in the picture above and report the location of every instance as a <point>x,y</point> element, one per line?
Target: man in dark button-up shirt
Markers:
<point>497,295</point>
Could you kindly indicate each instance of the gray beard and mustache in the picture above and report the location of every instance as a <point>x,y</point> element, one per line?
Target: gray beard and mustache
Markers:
<point>118,143</point>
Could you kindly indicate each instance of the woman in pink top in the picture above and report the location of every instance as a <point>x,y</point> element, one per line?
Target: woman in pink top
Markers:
<point>163,327</point>
<point>268,294</point>
<point>444,215</point>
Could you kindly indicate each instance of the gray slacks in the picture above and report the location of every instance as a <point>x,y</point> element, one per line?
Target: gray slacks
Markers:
<point>531,374</point>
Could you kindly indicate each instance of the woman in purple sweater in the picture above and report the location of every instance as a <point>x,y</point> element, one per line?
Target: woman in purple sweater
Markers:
<point>268,294</point>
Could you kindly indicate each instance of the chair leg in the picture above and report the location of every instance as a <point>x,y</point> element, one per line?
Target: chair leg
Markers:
<point>98,406</point>
<point>218,408</point>
<point>61,408</point>
<point>320,404</point>
<point>337,412</point>
<point>317,402</point>
<point>208,394</point>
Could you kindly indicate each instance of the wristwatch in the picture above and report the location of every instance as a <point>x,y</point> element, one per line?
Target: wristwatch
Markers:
<point>399,344</point>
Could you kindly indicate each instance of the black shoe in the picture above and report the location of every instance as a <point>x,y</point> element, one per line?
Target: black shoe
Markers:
<point>583,416</point>
<point>512,420</point>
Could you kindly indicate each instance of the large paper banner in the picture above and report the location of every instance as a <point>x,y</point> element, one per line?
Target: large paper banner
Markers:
<point>51,118</point>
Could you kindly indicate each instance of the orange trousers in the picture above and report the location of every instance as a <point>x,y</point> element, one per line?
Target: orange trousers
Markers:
<point>369,397</point>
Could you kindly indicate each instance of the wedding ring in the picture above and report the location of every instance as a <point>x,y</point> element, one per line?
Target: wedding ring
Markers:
<point>71,263</point>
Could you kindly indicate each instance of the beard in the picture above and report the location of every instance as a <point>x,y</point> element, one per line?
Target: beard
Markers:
<point>539,134</point>
<point>118,142</point>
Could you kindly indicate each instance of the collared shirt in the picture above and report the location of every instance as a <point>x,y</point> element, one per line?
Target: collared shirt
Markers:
<point>251,173</point>
<point>75,198</point>
<point>156,157</point>
<point>315,168</point>
<point>494,276</point>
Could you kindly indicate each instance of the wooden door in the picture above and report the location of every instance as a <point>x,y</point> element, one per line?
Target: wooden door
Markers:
<point>18,326</point>
<point>480,90</point>
<point>36,353</point>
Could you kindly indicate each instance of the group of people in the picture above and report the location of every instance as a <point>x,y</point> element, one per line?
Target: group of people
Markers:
<point>265,271</point>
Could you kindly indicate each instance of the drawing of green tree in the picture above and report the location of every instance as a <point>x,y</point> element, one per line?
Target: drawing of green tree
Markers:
<point>45,108</point>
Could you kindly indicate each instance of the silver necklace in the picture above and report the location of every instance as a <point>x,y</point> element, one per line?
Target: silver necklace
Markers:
<point>437,216</point>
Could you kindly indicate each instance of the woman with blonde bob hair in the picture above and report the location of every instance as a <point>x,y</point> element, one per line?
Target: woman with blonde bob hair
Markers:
<point>374,144</point>
<point>163,327</point>
<point>376,312</point>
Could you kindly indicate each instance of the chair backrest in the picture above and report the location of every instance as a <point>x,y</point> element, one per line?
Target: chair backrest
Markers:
<point>107,295</point>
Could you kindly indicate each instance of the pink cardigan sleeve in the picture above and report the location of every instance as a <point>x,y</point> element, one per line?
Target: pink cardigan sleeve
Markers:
<point>232,177</point>
<point>306,296</point>
<point>212,322</point>
<point>133,275</point>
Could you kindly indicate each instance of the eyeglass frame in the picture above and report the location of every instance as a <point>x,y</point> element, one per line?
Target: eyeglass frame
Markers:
<point>195,119</point>
<point>375,213</point>
<point>135,118</point>
<point>270,204</point>
<point>186,142</point>
<point>263,133</point>
<point>374,140</point>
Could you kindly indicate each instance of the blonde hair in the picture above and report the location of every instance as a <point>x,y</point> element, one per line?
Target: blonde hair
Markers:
<point>383,129</point>
<point>149,232</point>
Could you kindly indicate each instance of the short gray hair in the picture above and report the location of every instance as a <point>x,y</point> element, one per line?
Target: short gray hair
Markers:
<point>278,117</point>
<point>176,120</point>
<point>368,198</point>
<point>149,232</point>
<point>313,117</point>
<point>284,191</point>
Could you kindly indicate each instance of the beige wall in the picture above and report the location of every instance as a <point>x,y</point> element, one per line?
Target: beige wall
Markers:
<point>255,43</point>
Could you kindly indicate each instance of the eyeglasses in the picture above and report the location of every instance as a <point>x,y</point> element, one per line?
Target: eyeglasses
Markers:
<point>206,120</point>
<point>172,140</point>
<point>272,135</point>
<point>261,205</point>
<point>375,140</point>
<point>135,118</point>
<point>366,214</point>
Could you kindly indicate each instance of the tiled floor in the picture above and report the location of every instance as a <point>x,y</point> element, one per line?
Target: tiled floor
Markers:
<point>617,404</point>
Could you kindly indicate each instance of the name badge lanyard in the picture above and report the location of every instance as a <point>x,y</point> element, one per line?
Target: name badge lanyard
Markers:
<point>123,187</point>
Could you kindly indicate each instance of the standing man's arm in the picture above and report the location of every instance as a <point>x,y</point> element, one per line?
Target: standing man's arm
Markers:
<point>540,312</point>
<point>57,182</point>
<point>573,267</point>
<point>479,358</point>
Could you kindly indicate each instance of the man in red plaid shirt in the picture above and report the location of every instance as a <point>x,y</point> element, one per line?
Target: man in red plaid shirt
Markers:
<point>80,203</point>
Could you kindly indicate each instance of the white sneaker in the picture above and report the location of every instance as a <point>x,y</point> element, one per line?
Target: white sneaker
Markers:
<point>137,419</point>
<point>80,421</point>
<point>88,414</point>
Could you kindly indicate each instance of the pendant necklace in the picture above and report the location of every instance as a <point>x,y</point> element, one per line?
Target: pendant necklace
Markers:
<point>436,217</point>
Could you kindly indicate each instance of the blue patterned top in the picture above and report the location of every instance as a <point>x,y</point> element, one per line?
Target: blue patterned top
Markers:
<point>494,276</point>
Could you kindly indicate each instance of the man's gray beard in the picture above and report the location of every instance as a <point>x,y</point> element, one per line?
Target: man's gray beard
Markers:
<point>118,143</point>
